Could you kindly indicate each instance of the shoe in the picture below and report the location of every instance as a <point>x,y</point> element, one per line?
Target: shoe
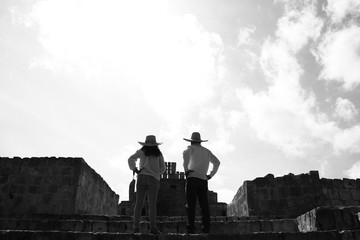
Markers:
<point>155,231</point>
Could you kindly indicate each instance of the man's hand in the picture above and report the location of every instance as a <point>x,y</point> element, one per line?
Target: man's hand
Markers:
<point>208,177</point>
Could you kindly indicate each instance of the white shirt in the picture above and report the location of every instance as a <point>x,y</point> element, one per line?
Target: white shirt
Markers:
<point>197,158</point>
<point>149,165</point>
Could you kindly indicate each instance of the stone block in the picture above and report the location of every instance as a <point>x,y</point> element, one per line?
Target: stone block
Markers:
<point>7,223</point>
<point>349,183</point>
<point>181,227</point>
<point>232,218</point>
<point>351,202</point>
<point>284,225</point>
<point>264,236</point>
<point>346,235</point>
<point>314,175</point>
<point>254,226</point>
<point>338,183</point>
<point>167,227</point>
<point>266,226</point>
<point>88,225</point>
<point>217,228</point>
<point>294,236</point>
<point>22,224</point>
<point>289,180</point>
<point>79,225</point>
<point>323,235</point>
<point>235,227</point>
<point>339,223</point>
<point>336,203</point>
<point>355,193</point>
<point>356,234</point>
<point>325,219</point>
<point>261,182</point>
<point>99,226</point>
<point>345,194</point>
<point>334,194</point>
<point>220,218</point>
<point>129,227</point>
<point>295,191</point>
<point>350,217</point>
<point>117,226</point>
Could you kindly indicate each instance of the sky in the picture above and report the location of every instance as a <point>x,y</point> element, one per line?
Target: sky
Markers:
<point>273,85</point>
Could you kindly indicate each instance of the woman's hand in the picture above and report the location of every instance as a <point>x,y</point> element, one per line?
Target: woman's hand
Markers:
<point>187,172</point>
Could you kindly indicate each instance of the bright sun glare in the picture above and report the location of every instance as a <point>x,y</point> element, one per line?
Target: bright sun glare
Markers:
<point>166,55</point>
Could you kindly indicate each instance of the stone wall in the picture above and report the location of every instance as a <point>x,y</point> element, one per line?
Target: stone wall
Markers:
<point>239,204</point>
<point>292,195</point>
<point>93,195</point>
<point>61,186</point>
<point>340,192</point>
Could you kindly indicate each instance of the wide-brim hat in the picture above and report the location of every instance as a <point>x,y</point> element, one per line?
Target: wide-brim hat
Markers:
<point>195,137</point>
<point>150,140</point>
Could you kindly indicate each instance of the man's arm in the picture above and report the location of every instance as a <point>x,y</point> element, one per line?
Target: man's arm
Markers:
<point>216,163</point>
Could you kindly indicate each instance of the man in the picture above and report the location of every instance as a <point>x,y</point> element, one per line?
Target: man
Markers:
<point>196,165</point>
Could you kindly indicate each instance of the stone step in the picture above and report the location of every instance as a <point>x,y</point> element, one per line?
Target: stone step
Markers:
<point>126,217</point>
<point>330,218</point>
<point>126,226</point>
<point>56,235</point>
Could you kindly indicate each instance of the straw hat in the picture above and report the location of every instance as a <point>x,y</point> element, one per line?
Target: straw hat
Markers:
<point>195,137</point>
<point>150,141</point>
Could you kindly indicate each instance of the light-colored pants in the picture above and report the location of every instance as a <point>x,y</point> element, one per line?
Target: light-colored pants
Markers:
<point>146,185</point>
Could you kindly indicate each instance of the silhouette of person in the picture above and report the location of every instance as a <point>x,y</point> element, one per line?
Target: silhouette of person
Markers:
<point>151,166</point>
<point>196,165</point>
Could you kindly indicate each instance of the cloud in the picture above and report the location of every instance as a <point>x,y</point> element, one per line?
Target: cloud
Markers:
<point>245,34</point>
<point>354,171</point>
<point>285,115</point>
<point>281,121</point>
<point>347,140</point>
<point>339,53</point>
<point>345,109</point>
<point>297,27</point>
<point>338,10</point>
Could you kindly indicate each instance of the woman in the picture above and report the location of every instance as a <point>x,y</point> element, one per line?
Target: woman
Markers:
<point>151,166</point>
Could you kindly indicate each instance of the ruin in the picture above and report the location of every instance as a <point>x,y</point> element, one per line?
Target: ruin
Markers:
<point>50,185</point>
<point>64,198</point>
<point>171,196</point>
<point>292,195</point>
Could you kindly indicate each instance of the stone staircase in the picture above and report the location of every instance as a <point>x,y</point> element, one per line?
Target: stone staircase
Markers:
<point>325,223</point>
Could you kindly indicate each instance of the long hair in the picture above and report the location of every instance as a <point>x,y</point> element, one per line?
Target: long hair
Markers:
<point>151,151</point>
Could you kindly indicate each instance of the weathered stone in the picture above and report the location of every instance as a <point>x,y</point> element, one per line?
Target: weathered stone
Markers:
<point>355,193</point>
<point>325,219</point>
<point>345,194</point>
<point>117,226</point>
<point>167,227</point>
<point>347,235</point>
<point>338,183</point>
<point>323,235</point>
<point>266,226</point>
<point>349,183</point>
<point>33,181</point>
